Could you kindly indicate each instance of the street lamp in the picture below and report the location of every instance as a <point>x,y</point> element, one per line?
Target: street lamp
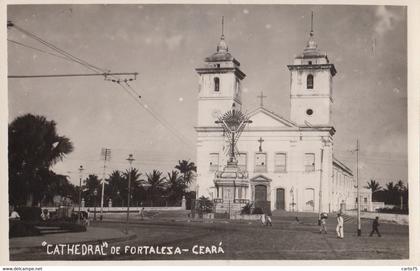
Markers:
<point>130,159</point>
<point>95,193</point>
<point>119,198</point>
<point>293,199</point>
<point>80,192</point>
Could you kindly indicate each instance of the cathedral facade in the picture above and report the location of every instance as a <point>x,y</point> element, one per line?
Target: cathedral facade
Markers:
<point>288,163</point>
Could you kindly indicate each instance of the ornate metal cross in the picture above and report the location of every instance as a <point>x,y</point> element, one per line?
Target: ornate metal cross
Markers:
<point>233,123</point>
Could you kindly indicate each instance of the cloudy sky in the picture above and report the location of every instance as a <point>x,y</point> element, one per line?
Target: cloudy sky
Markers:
<point>165,43</point>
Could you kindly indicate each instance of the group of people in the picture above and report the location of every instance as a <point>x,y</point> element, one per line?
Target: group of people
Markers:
<point>322,222</point>
<point>266,220</point>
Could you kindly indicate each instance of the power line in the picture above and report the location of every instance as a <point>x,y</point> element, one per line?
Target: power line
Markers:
<point>74,75</point>
<point>66,54</point>
<point>161,120</point>
<point>37,49</point>
<point>55,48</point>
<point>99,71</point>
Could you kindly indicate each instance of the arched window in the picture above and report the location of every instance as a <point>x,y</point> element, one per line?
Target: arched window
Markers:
<point>216,84</point>
<point>310,81</point>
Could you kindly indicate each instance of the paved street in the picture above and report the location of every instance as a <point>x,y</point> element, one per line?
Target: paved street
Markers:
<point>287,239</point>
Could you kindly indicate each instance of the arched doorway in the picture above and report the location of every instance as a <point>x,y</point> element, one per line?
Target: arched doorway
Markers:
<point>280,203</point>
<point>260,193</point>
<point>309,197</point>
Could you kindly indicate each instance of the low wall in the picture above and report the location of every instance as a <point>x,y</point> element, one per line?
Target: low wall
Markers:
<point>394,218</point>
<point>245,217</point>
<point>121,209</point>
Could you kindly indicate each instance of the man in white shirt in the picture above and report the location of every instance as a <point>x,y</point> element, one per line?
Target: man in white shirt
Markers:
<point>340,226</point>
<point>14,215</point>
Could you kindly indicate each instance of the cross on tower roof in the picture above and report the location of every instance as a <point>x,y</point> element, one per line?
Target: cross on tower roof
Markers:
<point>261,96</point>
<point>261,141</point>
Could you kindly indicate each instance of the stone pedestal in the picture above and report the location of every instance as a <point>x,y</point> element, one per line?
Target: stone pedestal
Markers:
<point>232,185</point>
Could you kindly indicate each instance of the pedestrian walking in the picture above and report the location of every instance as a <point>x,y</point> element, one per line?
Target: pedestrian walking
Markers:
<point>269,221</point>
<point>323,223</point>
<point>141,213</point>
<point>263,220</point>
<point>375,227</point>
<point>45,215</point>
<point>340,226</point>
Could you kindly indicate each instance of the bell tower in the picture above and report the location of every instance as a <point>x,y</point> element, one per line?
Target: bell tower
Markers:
<point>311,86</point>
<point>219,85</point>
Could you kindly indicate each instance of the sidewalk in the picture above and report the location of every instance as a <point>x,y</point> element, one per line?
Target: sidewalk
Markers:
<point>91,235</point>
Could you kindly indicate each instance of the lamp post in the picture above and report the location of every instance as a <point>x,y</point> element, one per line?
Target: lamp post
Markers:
<point>95,193</point>
<point>80,192</point>
<point>119,198</point>
<point>130,159</point>
<point>293,199</point>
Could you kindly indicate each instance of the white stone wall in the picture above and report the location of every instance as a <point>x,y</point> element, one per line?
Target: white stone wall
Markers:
<point>318,99</point>
<point>342,189</point>
<point>295,180</point>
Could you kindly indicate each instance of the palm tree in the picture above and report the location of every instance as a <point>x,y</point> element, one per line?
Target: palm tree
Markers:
<point>91,189</point>
<point>187,169</point>
<point>134,184</point>
<point>392,193</point>
<point>401,188</point>
<point>175,186</point>
<point>34,146</point>
<point>156,183</point>
<point>374,186</point>
<point>114,187</point>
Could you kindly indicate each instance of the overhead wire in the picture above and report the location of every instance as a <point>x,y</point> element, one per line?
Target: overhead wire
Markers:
<point>156,116</point>
<point>130,91</point>
<point>37,49</point>
<point>65,53</point>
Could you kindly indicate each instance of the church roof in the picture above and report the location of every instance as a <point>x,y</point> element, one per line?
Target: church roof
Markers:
<point>273,115</point>
<point>341,165</point>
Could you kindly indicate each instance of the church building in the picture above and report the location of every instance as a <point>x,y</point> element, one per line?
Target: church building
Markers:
<point>288,164</point>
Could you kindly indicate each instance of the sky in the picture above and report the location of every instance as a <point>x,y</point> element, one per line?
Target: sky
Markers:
<point>165,43</point>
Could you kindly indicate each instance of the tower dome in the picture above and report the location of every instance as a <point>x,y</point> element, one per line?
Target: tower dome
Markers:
<point>222,46</point>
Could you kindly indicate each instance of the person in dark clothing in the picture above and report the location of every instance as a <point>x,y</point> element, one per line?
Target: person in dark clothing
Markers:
<point>375,226</point>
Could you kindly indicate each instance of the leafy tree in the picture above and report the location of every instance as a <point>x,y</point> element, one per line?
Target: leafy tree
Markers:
<point>187,170</point>
<point>34,146</point>
<point>204,205</point>
<point>92,184</point>
<point>175,186</point>
<point>156,183</point>
<point>374,186</point>
<point>59,185</point>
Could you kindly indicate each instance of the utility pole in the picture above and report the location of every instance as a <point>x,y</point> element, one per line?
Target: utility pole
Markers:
<point>130,159</point>
<point>106,153</point>
<point>359,226</point>
<point>320,183</point>
<point>80,192</point>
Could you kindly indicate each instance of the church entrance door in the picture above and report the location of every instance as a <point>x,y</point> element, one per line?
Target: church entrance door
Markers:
<point>280,205</point>
<point>260,193</point>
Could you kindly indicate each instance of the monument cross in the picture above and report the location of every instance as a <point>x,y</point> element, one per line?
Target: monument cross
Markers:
<point>233,123</point>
